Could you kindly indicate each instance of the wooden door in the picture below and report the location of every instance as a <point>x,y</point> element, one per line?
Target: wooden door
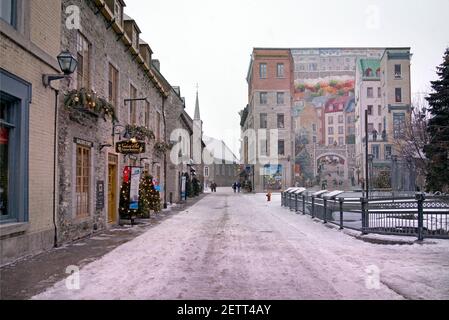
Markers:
<point>112,188</point>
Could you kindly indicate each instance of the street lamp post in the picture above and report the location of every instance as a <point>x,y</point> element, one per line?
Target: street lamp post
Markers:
<point>366,154</point>
<point>370,163</point>
<point>67,64</point>
<point>394,184</point>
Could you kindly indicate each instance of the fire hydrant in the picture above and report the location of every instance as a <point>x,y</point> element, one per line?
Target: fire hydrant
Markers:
<point>268,196</point>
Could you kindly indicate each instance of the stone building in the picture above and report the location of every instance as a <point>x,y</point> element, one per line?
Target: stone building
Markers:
<point>224,167</point>
<point>30,42</point>
<point>180,135</point>
<point>116,65</point>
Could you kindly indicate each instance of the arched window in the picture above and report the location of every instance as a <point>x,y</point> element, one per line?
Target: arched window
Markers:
<point>378,72</point>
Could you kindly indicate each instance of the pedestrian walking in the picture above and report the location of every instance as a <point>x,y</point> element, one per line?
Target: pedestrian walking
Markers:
<point>239,186</point>
<point>234,187</point>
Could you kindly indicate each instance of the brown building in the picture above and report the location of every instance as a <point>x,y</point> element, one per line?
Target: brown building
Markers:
<point>270,83</point>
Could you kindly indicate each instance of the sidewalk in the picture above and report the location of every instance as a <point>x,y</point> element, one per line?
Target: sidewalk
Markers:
<point>30,276</point>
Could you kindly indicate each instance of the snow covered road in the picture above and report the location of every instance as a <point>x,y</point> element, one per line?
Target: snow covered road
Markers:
<point>236,246</point>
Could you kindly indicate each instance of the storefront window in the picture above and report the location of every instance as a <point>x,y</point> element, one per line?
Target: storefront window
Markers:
<point>5,127</point>
<point>8,10</point>
<point>15,96</point>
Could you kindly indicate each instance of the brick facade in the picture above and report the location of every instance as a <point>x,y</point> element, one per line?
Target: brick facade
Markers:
<point>29,51</point>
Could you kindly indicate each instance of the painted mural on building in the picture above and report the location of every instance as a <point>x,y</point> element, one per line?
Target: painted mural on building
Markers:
<point>324,115</point>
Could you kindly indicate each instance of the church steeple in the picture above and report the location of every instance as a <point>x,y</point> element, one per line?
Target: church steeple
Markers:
<point>197,106</point>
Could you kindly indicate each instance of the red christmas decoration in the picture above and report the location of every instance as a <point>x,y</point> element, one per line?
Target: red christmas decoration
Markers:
<point>126,174</point>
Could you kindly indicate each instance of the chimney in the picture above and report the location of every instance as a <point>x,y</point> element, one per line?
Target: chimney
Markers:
<point>156,64</point>
<point>177,90</point>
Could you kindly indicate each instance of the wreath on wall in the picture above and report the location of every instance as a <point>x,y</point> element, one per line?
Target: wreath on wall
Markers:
<point>86,100</point>
<point>139,132</point>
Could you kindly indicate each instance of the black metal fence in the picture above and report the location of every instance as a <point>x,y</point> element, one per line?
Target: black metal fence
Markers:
<point>422,215</point>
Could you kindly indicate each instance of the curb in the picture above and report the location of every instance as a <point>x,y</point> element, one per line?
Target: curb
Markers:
<point>378,238</point>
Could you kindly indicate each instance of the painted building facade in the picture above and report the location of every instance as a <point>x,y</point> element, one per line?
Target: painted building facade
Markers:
<point>329,89</point>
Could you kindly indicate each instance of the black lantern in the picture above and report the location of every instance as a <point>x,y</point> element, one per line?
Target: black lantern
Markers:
<point>67,62</point>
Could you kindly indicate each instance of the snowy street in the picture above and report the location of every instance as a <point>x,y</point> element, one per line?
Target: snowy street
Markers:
<point>238,246</point>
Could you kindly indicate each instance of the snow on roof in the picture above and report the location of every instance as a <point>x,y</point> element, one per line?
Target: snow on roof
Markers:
<point>219,149</point>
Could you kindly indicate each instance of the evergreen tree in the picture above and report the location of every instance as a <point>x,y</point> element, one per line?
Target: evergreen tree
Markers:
<point>124,211</point>
<point>189,187</point>
<point>149,197</point>
<point>195,187</point>
<point>438,128</point>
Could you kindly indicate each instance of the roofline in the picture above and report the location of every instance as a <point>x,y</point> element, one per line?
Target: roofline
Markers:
<point>397,48</point>
<point>224,144</point>
<point>251,61</point>
<point>186,119</point>
<point>159,74</point>
<point>310,48</point>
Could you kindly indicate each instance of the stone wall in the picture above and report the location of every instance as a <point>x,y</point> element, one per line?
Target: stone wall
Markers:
<point>104,50</point>
<point>173,110</point>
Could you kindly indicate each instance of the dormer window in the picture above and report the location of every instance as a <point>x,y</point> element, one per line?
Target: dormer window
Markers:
<point>132,31</point>
<point>145,52</point>
<point>118,13</point>
<point>135,38</point>
<point>368,72</point>
<point>378,73</point>
<point>116,7</point>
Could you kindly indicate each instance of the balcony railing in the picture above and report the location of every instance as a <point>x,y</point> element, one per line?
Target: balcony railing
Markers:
<point>376,137</point>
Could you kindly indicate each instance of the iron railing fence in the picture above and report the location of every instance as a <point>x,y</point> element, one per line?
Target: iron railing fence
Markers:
<point>421,215</point>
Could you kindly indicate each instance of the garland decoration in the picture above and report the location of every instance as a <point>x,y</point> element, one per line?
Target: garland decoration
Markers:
<point>87,100</point>
<point>140,133</point>
<point>161,147</point>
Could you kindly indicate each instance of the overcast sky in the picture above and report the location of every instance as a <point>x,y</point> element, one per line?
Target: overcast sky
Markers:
<point>210,42</point>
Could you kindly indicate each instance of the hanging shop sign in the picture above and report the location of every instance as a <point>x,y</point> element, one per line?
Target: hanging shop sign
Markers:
<point>134,188</point>
<point>100,195</point>
<point>83,142</point>
<point>130,147</point>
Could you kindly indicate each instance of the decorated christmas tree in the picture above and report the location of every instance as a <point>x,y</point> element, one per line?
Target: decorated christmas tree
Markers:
<point>124,211</point>
<point>149,197</point>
